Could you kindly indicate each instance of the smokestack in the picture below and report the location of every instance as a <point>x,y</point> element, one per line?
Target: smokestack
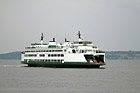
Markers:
<point>66,40</point>
<point>53,39</point>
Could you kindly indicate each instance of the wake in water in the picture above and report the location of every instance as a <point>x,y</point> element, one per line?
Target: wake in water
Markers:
<point>7,66</point>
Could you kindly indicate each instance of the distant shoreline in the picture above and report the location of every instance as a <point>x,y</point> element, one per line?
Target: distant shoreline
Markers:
<point>123,55</point>
<point>11,56</point>
<point>110,55</point>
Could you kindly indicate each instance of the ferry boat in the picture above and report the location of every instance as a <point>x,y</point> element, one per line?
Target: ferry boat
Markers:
<point>80,53</point>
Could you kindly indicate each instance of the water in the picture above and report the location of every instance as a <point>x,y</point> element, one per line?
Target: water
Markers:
<point>115,77</point>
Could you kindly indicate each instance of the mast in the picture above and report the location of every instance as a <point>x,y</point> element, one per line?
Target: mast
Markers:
<point>42,37</point>
<point>79,36</point>
<point>66,40</point>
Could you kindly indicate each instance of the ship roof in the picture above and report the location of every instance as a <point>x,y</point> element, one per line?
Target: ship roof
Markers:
<point>82,42</point>
<point>39,44</point>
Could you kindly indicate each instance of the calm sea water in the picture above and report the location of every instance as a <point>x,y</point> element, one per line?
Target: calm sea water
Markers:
<point>115,77</point>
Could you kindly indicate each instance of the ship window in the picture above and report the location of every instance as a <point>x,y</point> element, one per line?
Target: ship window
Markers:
<point>89,50</point>
<point>80,42</point>
<point>73,51</point>
<point>58,50</point>
<point>61,60</point>
<point>41,60</point>
<point>30,55</point>
<point>55,55</point>
<point>82,51</point>
<point>42,55</point>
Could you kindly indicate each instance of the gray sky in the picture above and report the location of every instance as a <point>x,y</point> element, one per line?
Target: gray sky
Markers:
<point>110,24</point>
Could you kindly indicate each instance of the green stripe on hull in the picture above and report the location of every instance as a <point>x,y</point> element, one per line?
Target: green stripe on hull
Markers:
<point>63,65</point>
<point>84,63</point>
<point>76,62</point>
<point>60,63</point>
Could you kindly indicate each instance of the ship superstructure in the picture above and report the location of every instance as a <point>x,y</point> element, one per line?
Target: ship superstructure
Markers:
<point>79,53</point>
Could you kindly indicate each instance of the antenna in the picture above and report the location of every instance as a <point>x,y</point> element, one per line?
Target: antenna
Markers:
<point>42,37</point>
<point>79,35</point>
<point>66,40</point>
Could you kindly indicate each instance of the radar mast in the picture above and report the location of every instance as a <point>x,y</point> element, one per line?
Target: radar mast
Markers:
<point>42,37</point>
<point>79,36</point>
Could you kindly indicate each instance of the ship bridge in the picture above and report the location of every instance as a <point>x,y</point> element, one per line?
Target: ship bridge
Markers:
<point>82,43</point>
